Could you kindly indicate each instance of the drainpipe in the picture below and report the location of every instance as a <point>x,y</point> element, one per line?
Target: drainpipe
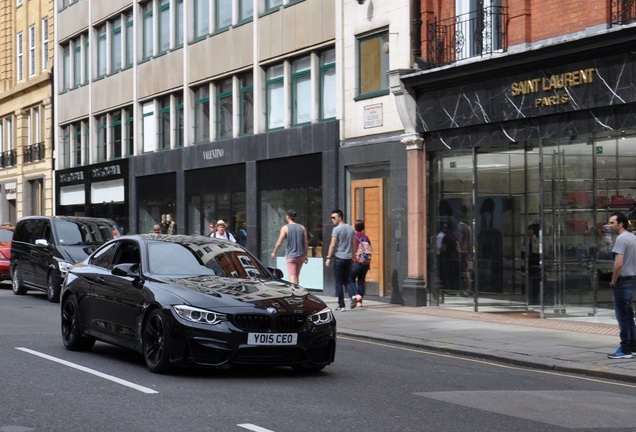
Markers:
<point>416,38</point>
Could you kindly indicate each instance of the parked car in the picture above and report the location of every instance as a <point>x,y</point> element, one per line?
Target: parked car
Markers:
<point>6,233</point>
<point>43,248</point>
<point>194,300</point>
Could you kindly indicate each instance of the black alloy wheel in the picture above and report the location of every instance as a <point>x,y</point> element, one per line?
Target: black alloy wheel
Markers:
<point>16,282</point>
<point>52,288</point>
<point>71,331</point>
<point>155,343</point>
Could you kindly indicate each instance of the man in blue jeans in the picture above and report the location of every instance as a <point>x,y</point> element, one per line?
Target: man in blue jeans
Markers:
<point>623,283</point>
<point>341,250</point>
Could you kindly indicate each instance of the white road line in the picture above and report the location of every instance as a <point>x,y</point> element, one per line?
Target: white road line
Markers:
<point>254,428</point>
<point>90,371</point>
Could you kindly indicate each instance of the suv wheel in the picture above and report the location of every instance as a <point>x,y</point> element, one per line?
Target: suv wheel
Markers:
<point>16,282</point>
<point>52,288</point>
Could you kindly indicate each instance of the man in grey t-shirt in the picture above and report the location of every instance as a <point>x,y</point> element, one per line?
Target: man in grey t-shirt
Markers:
<point>623,283</point>
<point>341,250</point>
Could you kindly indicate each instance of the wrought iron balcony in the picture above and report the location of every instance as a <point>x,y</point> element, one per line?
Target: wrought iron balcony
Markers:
<point>34,152</point>
<point>473,34</point>
<point>622,12</point>
<point>7,159</point>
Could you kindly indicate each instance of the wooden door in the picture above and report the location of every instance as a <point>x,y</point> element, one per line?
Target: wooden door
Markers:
<point>367,203</point>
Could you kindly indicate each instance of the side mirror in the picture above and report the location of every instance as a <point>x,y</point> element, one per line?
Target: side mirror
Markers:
<point>129,270</point>
<point>41,242</point>
<point>276,272</point>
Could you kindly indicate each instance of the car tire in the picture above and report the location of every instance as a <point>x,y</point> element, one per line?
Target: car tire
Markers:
<point>16,282</point>
<point>155,343</point>
<point>52,288</point>
<point>71,331</point>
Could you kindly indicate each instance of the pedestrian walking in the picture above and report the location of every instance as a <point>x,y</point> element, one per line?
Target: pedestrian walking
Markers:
<point>361,264</point>
<point>297,245</point>
<point>623,283</point>
<point>341,249</point>
<point>222,232</point>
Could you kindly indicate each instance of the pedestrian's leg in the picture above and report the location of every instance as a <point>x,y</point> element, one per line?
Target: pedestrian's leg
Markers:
<point>622,305</point>
<point>341,280</point>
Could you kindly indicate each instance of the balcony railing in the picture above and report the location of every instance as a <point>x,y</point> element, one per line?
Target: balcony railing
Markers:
<point>473,34</point>
<point>34,152</point>
<point>622,12</point>
<point>7,158</point>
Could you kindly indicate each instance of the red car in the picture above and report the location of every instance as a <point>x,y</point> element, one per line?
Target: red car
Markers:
<point>5,251</point>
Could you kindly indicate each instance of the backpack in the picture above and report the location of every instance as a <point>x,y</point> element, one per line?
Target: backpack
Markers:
<point>363,252</point>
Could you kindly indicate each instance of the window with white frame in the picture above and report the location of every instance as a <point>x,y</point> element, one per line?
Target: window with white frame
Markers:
<point>77,61</point>
<point>101,51</point>
<point>223,14</point>
<point>148,36</point>
<point>373,64</point>
<point>9,130</point>
<point>1,136</point>
<point>301,90</point>
<point>116,134</point>
<point>115,45</point>
<point>31,50</point>
<point>102,136</point>
<point>164,26</point>
<point>246,10</point>
<point>18,2</point>
<point>20,57</point>
<point>130,39</point>
<point>246,89</point>
<point>275,95</point>
<point>202,114</point>
<point>149,127</point>
<point>178,24</point>
<point>272,4</point>
<point>224,108</point>
<point>45,42</point>
<point>328,84</point>
<point>66,66</point>
<point>201,18</point>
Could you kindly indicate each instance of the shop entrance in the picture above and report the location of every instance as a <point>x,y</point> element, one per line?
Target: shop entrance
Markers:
<point>367,202</point>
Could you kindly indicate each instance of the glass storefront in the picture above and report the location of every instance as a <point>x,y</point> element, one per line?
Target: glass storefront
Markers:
<point>522,225</point>
<point>157,203</point>
<point>293,183</point>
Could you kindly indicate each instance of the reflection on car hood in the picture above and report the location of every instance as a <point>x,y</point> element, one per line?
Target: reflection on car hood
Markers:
<point>221,292</point>
<point>77,253</point>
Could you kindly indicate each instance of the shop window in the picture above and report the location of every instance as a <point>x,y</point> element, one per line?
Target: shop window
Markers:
<point>224,109</point>
<point>149,127</point>
<point>301,90</point>
<point>275,97</point>
<point>373,65</point>
<point>158,203</point>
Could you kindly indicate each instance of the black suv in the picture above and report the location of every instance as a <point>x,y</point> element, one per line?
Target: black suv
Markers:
<point>43,248</point>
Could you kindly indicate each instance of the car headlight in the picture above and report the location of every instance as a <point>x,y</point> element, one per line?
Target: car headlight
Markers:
<point>64,267</point>
<point>200,316</point>
<point>325,316</point>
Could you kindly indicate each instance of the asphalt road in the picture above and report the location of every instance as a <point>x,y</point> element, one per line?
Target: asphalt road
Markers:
<point>371,387</point>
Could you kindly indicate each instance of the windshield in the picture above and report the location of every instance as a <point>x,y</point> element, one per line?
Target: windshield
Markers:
<point>82,232</point>
<point>204,259</point>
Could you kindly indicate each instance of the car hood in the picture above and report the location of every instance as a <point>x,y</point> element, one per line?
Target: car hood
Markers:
<point>227,294</point>
<point>77,253</point>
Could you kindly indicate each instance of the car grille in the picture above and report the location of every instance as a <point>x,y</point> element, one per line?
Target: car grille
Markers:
<point>266,322</point>
<point>269,355</point>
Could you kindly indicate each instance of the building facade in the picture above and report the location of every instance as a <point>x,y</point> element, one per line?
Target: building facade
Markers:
<point>184,112</point>
<point>527,112</point>
<point>26,109</point>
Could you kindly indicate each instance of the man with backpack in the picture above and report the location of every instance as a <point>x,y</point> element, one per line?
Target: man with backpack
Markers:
<point>361,264</point>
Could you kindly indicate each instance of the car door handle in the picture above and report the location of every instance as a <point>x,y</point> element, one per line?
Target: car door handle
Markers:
<point>100,280</point>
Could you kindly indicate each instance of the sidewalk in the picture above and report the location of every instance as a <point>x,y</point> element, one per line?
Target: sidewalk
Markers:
<point>566,346</point>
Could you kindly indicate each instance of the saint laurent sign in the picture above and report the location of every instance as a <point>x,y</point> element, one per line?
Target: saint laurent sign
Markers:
<point>554,83</point>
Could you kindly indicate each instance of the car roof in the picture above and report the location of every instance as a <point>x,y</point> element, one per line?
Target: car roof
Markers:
<point>182,239</point>
<point>69,218</point>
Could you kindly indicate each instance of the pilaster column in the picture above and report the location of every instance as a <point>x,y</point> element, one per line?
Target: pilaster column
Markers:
<point>414,287</point>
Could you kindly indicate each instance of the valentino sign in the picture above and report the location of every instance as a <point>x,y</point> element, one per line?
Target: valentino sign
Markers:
<point>557,83</point>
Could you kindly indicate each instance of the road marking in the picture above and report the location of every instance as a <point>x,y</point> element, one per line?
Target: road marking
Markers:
<point>90,371</point>
<point>489,363</point>
<point>254,428</point>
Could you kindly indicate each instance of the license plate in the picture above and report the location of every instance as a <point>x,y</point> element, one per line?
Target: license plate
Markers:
<point>272,338</point>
